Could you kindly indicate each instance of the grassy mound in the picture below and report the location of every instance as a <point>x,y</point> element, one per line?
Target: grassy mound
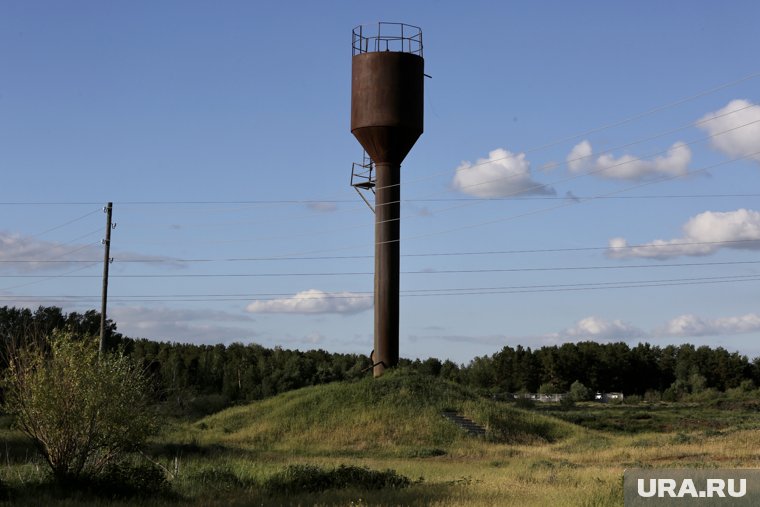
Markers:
<point>398,414</point>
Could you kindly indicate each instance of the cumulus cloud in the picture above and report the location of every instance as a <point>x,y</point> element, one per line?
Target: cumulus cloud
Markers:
<point>502,174</point>
<point>579,158</point>
<point>315,301</point>
<point>674,163</point>
<point>692,325</point>
<point>596,328</point>
<point>703,234</point>
<point>736,141</point>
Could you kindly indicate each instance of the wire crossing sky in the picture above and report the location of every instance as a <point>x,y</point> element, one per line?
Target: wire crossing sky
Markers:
<point>587,172</point>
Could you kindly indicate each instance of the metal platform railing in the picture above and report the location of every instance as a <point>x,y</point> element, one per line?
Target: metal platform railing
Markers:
<point>398,37</point>
<point>363,178</point>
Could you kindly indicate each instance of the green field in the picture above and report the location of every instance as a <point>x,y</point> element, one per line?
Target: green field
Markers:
<point>543,455</point>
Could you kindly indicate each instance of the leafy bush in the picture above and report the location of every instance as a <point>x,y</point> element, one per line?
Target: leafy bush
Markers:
<point>548,388</point>
<point>579,392</point>
<point>83,413</point>
<point>312,479</point>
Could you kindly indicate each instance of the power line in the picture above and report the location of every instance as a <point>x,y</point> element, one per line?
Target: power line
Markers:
<point>413,200</point>
<point>608,195</point>
<point>475,225</point>
<point>539,186</point>
<point>584,157</point>
<point>517,192</point>
<point>43,278</point>
<point>64,224</point>
<point>342,294</point>
<point>512,176</point>
<point>474,201</point>
<point>423,272</point>
<point>564,198</point>
<point>57,257</point>
<point>302,255</point>
<point>428,254</point>
<point>550,144</point>
<point>470,201</point>
<point>627,284</point>
<point>573,202</point>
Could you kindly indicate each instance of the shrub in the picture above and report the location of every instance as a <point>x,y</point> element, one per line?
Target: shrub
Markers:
<point>313,479</point>
<point>579,392</point>
<point>548,388</point>
<point>745,389</point>
<point>83,413</point>
<point>652,396</point>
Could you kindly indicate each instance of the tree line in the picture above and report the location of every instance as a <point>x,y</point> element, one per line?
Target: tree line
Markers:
<point>205,378</point>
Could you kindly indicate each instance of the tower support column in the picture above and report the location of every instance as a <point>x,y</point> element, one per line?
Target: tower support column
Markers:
<point>387,264</point>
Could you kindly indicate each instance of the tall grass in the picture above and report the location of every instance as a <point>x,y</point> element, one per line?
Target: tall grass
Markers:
<point>529,458</point>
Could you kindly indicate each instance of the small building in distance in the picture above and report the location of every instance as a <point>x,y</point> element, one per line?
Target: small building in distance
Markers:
<point>607,397</point>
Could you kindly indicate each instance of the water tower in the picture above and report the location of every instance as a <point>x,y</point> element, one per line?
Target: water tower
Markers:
<point>387,73</point>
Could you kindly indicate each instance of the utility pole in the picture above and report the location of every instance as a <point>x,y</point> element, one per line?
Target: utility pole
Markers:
<point>106,261</point>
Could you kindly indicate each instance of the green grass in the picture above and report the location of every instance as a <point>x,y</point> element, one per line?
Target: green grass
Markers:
<point>396,415</point>
<point>341,434</point>
<point>710,416</point>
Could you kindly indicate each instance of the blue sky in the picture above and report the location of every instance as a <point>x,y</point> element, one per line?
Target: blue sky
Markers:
<point>589,170</point>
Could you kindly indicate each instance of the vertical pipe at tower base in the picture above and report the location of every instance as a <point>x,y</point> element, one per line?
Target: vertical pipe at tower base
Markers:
<point>387,265</point>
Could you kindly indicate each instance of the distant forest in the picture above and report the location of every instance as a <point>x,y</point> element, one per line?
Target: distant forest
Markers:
<point>205,378</point>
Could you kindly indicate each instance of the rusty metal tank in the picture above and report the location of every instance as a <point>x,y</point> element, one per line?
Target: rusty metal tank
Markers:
<point>387,97</point>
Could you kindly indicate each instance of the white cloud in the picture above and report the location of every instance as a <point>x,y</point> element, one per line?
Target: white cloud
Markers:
<point>692,325</point>
<point>596,328</point>
<point>674,163</point>
<point>15,247</point>
<point>502,174</point>
<point>579,158</point>
<point>703,234</point>
<point>323,207</point>
<point>589,328</point>
<point>741,141</point>
<point>314,337</point>
<point>182,325</point>
<point>315,301</point>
